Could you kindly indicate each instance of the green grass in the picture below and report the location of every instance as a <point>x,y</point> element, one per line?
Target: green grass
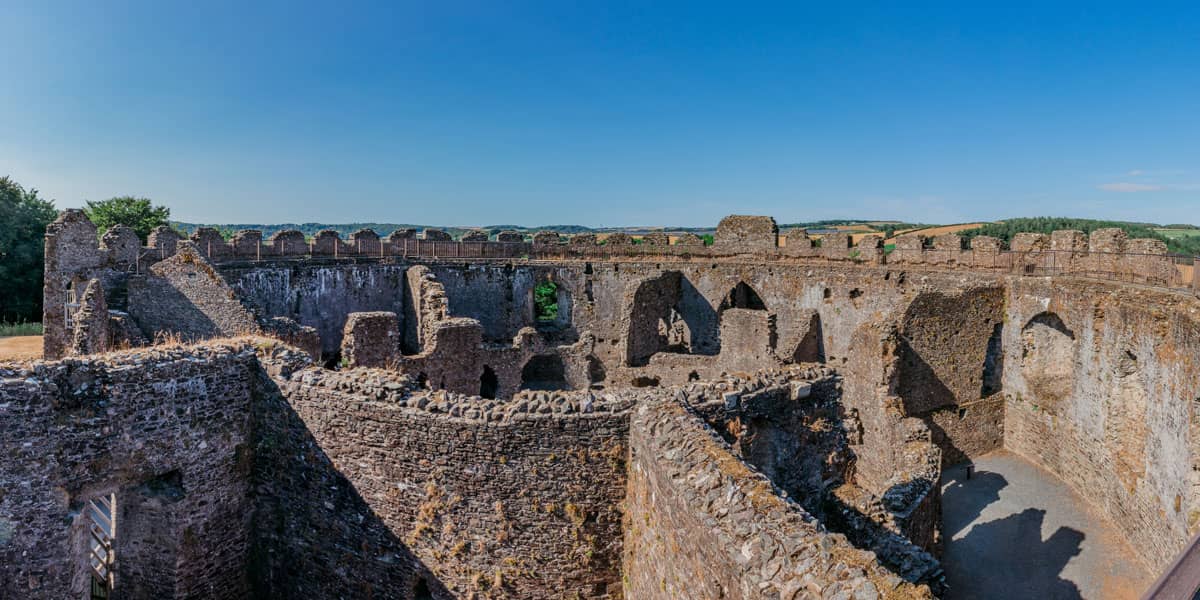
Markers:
<point>13,329</point>
<point>1178,233</point>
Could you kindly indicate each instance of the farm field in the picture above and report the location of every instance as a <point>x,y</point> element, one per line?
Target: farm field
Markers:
<point>932,231</point>
<point>1179,233</point>
<point>21,347</point>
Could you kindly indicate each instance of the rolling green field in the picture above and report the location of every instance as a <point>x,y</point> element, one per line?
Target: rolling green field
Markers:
<point>1178,233</point>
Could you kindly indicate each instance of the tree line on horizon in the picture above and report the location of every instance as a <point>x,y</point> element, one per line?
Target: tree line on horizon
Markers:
<point>1005,230</point>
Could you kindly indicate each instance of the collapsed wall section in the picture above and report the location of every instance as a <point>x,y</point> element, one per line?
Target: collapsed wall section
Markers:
<point>701,524</point>
<point>320,296</point>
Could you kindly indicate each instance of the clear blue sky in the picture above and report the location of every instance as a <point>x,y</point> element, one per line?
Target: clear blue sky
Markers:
<point>459,113</point>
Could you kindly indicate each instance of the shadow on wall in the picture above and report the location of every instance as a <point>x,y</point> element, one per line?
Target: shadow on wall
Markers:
<point>668,314</point>
<point>700,318</point>
<point>161,309</point>
<point>923,393</point>
<point>314,535</point>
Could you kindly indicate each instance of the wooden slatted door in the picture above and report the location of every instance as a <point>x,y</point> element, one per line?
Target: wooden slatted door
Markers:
<point>102,517</point>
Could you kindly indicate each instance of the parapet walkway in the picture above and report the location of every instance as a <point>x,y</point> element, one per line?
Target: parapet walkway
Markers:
<point>1015,531</point>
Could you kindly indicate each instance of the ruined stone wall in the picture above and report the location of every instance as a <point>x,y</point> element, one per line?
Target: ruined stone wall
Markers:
<point>500,299</point>
<point>184,295</point>
<point>1100,382</point>
<point>91,335</point>
<point>948,345</point>
<point>741,233</point>
<point>790,424</point>
<point>72,257</point>
<point>701,524</point>
<point>371,339</point>
<point>369,487</point>
<point>500,296</point>
<point>167,431</point>
<point>318,295</point>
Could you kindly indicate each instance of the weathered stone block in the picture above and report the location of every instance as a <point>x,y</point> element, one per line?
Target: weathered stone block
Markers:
<point>743,233</point>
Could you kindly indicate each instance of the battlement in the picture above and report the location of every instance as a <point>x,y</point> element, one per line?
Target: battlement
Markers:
<point>1106,253</point>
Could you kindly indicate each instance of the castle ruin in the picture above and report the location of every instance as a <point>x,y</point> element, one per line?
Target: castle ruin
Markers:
<point>422,418</point>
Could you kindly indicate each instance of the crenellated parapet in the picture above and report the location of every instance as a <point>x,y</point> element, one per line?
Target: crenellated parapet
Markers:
<point>75,254</point>
<point>656,238</point>
<point>618,239</point>
<point>474,235</point>
<point>365,241</point>
<point>546,238</point>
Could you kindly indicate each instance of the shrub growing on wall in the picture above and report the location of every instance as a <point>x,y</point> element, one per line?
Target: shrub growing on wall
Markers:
<point>545,301</point>
<point>137,213</point>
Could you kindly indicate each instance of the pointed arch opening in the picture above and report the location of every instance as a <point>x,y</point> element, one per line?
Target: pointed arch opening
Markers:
<point>743,296</point>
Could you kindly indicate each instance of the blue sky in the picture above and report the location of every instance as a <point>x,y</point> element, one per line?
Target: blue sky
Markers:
<point>606,114</point>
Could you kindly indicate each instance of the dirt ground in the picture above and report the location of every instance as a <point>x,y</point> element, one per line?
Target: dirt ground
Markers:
<point>932,231</point>
<point>22,347</point>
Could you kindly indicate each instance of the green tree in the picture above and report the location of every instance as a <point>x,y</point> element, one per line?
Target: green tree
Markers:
<point>137,213</point>
<point>23,220</point>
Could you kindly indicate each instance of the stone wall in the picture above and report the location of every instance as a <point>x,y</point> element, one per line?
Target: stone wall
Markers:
<point>1118,423</point>
<point>370,486</point>
<point>185,296</point>
<point>740,233</point>
<point>72,258</point>
<point>948,344</point>
<point>91,335</point>
<point>371,339</point>
<point>702,524</point>
<point>167,431</point>
<point>318,295</point>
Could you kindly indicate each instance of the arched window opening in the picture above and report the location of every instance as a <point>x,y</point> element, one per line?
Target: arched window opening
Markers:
<point>1048,358</point>
<point>743,296</point>
<point>488,383</point>
<point>544,372</point>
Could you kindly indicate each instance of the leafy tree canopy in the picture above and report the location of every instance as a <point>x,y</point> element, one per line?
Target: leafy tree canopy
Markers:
<point>24,217</point>
<point>137,213</point>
